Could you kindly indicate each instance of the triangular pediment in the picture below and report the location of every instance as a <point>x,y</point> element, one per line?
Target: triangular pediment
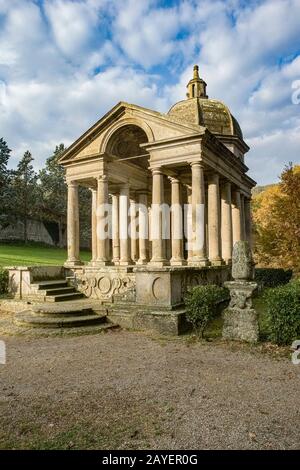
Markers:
<point>156,125</point>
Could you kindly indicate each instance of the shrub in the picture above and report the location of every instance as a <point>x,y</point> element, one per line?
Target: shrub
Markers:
<point>3,281</point>
<point>283,313</point>
<point>272,277</point>
<point>201,305</point>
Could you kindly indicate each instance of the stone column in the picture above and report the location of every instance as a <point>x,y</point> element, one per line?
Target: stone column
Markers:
<point>143,228</point>
<point>189,225</point>
<point>102,220</point>
<point>248,222</point>
<point>198,215</point>
<point>115,229</point>
<point>133,231</point>
<point>236,216</point>
<point>73,225</point>
<point>94,224</point>
<point>242,217</point>
<point>158,243</point>
<point>226,222</point>
<point>214,228</point>
<point>125,259</point>
<point>176,224</point>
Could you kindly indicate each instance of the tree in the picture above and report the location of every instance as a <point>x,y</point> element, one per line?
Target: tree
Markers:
<point>24,190</point>
<point>4,179</point>
<point>53,190</point>
<point>276,215</point>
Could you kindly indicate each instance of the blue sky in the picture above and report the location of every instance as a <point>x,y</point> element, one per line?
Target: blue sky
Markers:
<point>65,63</point>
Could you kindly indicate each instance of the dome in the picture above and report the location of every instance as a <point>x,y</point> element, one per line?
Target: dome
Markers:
<point>199,109</point>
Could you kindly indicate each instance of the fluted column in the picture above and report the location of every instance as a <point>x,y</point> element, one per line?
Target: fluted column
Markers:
<point>133,231</point>
<point>124,225</point>
<point>94,224</point>
<point>102,220</point>
<point>198,215</point>
<point>73,225</point>
<point>236,216</point>
<point>214,227</point>
<point>226,222</point>
<point>177,258</point>
<point>248,222</point>
<point>143,228</point>
<point>158,243</point>
<point>115,229</point>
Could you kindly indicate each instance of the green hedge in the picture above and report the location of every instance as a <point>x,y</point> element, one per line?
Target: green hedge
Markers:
<point>3,281</point>
<point>202,305</point>
<point>283,313</point>
<point>272,277</point>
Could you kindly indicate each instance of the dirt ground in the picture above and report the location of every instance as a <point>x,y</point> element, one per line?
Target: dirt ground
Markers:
<point>127,390</point>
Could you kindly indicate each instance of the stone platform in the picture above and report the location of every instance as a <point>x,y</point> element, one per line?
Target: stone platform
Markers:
<point>136,297</point>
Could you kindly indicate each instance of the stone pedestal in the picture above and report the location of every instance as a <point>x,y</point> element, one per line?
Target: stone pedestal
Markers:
<point>240,319</point>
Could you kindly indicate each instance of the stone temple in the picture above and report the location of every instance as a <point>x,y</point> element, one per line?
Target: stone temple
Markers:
<point>170,197</point>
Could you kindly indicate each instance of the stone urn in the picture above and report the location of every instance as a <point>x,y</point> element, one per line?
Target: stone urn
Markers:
<point>242,262</point>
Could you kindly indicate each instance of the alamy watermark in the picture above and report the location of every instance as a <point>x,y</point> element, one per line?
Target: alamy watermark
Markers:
<point>296,93</point>
<point>160,221</point>
<point>296,354</point>
<point>2,352</point>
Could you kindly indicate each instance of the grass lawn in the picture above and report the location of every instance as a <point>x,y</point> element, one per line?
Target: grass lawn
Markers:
<point>21,255</point>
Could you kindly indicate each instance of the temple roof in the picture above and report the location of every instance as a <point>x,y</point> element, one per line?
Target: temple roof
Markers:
<point>201,110</point>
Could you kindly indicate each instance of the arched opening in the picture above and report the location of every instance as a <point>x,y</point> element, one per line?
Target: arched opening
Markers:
<point>125,144</point>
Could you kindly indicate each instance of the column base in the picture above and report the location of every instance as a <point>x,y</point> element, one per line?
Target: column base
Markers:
<point>125,263</point>
<point>196,261</point>
<point>217,262</point>
<point>159,263</point>
<point>101,262</point>
<point>177,262</point>
<point>142,262</point>
<point>73,263</point>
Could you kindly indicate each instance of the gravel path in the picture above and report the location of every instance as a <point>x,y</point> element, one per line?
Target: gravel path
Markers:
<point>126,390</point>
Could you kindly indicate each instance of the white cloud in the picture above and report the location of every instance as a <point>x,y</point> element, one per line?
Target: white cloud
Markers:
<point>72,24</point>
<point>65,63</point>
<point>146,34</point>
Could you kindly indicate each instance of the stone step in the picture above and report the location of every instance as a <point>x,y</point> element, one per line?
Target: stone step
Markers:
<point>44,285</point>
<point>27,318</point>
<point>60,290</point>
<point>59,313</point>
<point>65,308</point>
<point>63,297</point>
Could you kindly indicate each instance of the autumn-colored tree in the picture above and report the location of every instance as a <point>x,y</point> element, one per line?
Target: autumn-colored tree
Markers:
<point>276,216</point>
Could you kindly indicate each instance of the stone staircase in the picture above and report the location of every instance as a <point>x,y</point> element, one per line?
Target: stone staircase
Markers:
<point>54,291</point>
<point>65,315</point>
<point>61,307</point>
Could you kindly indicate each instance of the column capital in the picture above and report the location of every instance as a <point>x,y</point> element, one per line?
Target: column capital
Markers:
<point>199,164</point>
<point>213,177</point>
<point>226,184</point>
<point>140,192</point>
<point>174,179</point>
<point>102,178</point>
<point>72,184</point>
<point>156,171</point>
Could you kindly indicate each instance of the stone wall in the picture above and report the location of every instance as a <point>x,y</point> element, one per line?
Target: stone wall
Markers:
<point>36,230</point>
<point>161,287</point>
